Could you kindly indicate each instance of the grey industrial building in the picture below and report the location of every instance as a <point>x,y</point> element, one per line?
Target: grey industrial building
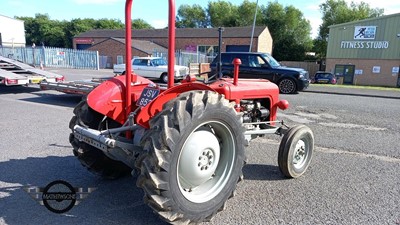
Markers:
<point>366,52</point>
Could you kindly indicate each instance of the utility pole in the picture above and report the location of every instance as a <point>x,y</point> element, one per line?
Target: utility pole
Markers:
<point>219,65</point>
<point>254,24</point>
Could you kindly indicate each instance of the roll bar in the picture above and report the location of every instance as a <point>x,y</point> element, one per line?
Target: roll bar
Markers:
<point>128,40</point>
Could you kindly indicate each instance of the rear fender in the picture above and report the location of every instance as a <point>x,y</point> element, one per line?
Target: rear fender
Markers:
<point>108,98</point>
<point>155,106</point>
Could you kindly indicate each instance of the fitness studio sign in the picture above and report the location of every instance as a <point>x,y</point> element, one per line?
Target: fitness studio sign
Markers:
<point>361,36</point>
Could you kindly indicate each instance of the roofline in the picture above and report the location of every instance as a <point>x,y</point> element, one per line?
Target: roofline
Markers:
<point>257,34</point>
<point>364,20</point>
<point>116,40</point>
<point>12,18</point>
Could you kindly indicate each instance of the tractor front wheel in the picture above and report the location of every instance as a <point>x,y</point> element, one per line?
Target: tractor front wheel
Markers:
<point>195,155</point>
<point>295,151</point>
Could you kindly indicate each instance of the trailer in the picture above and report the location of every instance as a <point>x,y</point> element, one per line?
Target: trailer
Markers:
<point>13,72</point>
<point>79,87</point>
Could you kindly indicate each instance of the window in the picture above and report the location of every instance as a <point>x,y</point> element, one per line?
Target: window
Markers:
<point>256,61</point>
<point>120,59</point>
<point>209,50</point>
<point>141,62</point>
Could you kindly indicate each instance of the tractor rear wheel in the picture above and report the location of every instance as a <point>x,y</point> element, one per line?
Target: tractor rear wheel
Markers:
<point>90,157</point>
<point>195,155</point>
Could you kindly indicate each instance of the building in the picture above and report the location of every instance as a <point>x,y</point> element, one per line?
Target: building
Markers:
<point>366,52</point>
<point>12,32</point>
<point>114,49</point>
<point>203,40</point>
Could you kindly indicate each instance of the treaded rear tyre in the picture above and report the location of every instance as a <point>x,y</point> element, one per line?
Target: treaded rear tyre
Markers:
<point>90,157</point>
<point>195,157</point>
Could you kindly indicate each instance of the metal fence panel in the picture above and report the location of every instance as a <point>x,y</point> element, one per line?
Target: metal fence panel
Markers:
<point>183,58</point>
<point>53,57</point>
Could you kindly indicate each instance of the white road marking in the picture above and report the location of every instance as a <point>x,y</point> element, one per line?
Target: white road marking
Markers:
<point>337,151</point>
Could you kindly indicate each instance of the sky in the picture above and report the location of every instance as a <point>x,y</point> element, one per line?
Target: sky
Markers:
<point>155,12</point>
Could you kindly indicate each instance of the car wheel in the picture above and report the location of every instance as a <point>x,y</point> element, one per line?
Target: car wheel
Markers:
<point>287,86</point>
<point>164,77</point>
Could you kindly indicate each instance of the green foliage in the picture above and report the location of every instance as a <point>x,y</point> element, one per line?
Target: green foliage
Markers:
<point>290,31</point>
<point>337,12</point>
<point>288,27</point>
<point>191,17</point>
<point>222,13</point>
<point>41,30</point>
<point>246,14</point>
<point>138,24</point>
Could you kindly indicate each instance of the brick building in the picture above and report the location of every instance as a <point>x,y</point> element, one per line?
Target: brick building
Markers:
<point>366,52</point>
<point>145,41</point>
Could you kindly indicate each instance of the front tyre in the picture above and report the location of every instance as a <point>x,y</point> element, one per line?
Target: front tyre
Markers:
<point>295,151</point>
<point>195,157</point>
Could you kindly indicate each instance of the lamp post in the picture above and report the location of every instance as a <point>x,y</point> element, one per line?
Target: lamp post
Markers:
<point>219,63</point>
<point>254,24</point>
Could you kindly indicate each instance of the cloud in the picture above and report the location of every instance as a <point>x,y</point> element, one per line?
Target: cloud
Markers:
<point>96,2</point>
<point>390,7</point>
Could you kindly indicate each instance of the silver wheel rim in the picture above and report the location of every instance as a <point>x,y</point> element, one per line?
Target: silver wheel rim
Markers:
<point>300,154</point>
<point>206,162</point>
<point>164,78</point>
<point>286,86</point>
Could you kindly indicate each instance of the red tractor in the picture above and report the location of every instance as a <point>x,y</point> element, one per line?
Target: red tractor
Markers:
<point>186,142</point>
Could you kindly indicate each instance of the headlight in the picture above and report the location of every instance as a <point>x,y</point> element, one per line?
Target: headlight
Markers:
<point>301,76</point>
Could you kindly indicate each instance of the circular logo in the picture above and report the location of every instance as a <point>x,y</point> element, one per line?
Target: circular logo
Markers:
<point>59,196</point>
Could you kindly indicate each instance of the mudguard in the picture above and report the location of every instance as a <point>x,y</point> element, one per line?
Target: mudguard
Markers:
<point>155,106</point>
<point>109,97</point>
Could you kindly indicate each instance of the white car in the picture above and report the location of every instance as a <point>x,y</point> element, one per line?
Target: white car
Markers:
<point>153,68</point>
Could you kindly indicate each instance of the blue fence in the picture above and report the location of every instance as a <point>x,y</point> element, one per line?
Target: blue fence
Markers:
<point>183,58</point>
<point>54,57</point>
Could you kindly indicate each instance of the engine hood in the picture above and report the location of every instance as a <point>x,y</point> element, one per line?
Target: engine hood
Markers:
<point>293,69</point>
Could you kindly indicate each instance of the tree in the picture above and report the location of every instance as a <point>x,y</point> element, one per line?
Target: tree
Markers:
<point>191,17</point>
<point>337,12</point>
<point>290,31</point>
<point>222,14</point>
<point>138,24</point>
<point>42,30</point>
<point>246,14</point>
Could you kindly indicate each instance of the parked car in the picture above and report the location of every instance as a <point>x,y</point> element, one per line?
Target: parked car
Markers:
<point>263,65</point>
<point>324,78</point>
<point>153,68</point>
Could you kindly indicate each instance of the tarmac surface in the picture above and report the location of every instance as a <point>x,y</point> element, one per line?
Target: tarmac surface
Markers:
<point>353,178</point>
<point>392,93</point>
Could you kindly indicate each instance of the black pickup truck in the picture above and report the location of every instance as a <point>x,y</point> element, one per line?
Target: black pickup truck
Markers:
<point>263,65</point>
